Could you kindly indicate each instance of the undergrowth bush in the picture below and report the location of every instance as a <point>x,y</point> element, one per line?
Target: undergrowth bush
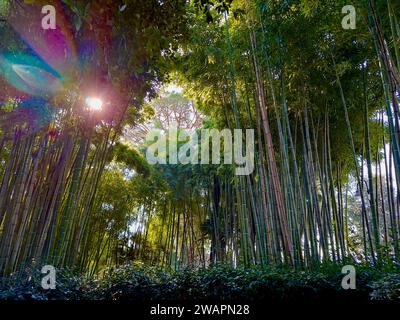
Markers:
<point>218,283</point>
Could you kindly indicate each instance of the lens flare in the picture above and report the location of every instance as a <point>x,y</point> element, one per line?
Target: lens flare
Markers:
<point>30,74</point>
<point>94,104</point>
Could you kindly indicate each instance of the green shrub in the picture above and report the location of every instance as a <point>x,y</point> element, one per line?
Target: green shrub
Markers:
<point>386,288</point>
<point>218,283</point>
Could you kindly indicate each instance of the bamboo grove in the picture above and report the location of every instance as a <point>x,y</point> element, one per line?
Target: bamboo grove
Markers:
<point>323,102</point>
<point>52,161</point>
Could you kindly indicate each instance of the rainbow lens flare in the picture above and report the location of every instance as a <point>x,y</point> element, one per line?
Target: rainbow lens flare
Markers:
<point>30,74</point>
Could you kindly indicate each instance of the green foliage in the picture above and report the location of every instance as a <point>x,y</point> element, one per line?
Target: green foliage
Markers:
<point>4,8</point>
<point>219,283</point>
<point>131,158</point>
<point>27,286</point>
<point>386,288</point>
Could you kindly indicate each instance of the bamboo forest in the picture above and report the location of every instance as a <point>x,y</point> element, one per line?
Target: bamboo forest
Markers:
<point>199,150</point>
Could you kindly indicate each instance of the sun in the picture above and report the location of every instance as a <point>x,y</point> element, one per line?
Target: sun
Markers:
<point>94,104</point>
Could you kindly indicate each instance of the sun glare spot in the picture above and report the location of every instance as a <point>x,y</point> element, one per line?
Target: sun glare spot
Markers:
<point>94,104</point>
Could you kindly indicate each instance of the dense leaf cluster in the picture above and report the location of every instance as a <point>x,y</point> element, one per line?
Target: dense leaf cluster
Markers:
<point>218,283</point>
